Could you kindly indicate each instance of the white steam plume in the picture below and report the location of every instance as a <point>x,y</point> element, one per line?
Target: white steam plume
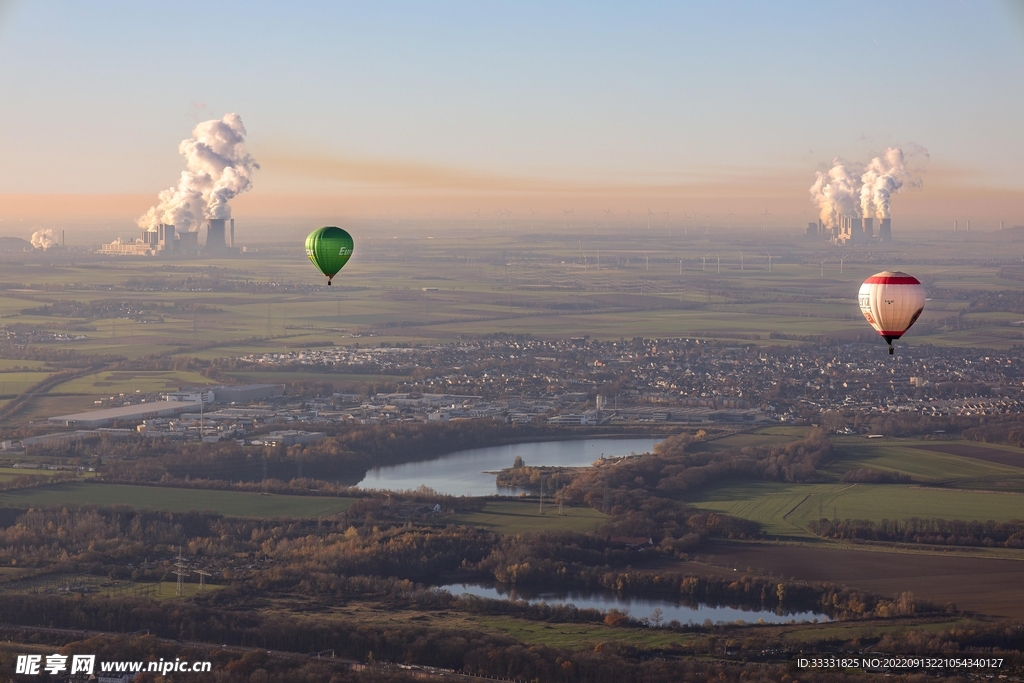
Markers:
<point>885,175</point>
<point>835,193</point>
<point>218,168</point>
<point>865,191</point>
<point>44,239</point>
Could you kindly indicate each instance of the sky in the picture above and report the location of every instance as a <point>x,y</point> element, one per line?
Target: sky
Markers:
<point>403,109</point>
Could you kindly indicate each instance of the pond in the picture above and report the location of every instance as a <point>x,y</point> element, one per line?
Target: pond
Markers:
<point>465,473</point>
<point>637,608</point>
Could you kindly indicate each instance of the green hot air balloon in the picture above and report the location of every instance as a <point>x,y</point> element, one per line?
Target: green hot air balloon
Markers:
<point>329,249</point>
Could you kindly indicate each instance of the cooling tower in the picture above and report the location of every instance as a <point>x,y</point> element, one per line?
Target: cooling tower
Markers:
<point>885,230</point>
<point>215,243</point>
<point>869,227</point>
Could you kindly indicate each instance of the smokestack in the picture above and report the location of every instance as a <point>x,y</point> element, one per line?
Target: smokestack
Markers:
<point>885,230</point>
<point>231,243</point>
<point>1000,225</point>
<point>955,225</point>
<point>968,226</point>
<point>869,226</point>
<point>62,234</point>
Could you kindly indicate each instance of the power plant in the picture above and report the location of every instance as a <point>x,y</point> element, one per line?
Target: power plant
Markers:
<point>850,196</point>
<point>851,230</point>
<point>165,241</point>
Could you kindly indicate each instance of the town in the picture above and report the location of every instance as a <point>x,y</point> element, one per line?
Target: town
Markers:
<point>573,382</point>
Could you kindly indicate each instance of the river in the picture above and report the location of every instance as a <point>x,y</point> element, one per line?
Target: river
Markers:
<point>464,473</point>
<point>639,608</point>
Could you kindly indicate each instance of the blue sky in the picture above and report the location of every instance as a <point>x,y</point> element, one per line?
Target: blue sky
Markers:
<point>669,100</point>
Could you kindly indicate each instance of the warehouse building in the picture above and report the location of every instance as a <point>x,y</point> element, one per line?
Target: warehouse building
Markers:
<point>132,413</point>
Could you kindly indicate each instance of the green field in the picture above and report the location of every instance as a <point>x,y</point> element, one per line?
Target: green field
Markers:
<point>8,473</point>
<point>512,517</point>
<point>114,383</point>
<point>766,436</point>
<point>973,489</point>
<point>581,635</point>
<point>166,590</point>
<point>17,382</point>
<point>227,503</point>
<point>545,283</point>
<point>786,509</point>
<point>909,457</point>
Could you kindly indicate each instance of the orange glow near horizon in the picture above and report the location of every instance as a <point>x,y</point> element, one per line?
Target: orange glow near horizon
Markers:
<point>311,187</point>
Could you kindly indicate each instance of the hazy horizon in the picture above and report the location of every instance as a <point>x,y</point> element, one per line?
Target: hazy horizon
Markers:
<point>434,113</point>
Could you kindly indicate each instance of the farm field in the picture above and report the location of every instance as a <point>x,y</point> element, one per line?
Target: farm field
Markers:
<point>17,382</point>
<point>786,509</point>
<point>981,487</point>
<point>766,436</point>
<point>926,460</point>
<point>227,503</point>
<point>512,517</point>
<point>8,473</point>
<point>546,284</point>
<point>978,584</point>
<point>144,381</point>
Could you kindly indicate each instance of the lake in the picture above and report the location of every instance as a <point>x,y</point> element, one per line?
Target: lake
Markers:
<point>463,473</point>
<point>638,608</point>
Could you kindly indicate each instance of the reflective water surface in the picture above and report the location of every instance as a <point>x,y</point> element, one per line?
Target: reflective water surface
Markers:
<point>464,473</point>
<point>638,608</point>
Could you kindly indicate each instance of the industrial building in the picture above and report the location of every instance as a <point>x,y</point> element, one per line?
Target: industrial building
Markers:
<point>291,437</point>
<point>133,413</point>
<point>237,394</point>
<point>851,230</point>
<point>166,241</point>
<point>248,393</point>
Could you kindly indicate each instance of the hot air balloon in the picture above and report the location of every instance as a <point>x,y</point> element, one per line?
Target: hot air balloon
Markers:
<point>329,249</point>
<point>891,302</point>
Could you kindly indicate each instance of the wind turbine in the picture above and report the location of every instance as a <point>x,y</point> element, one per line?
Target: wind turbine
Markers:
<point>741,260</point>
<point>822,274</point>
<point>508,219</point>
<point>668,221</point>
<point>769,262</point>
<point>607,215</point>
<point>649,214</point>
<point>704,262</point>
<point>532,214</point>
<point>565,219</point>
<point>729,208</point>
<point>766,214</point>
<point>572,216</point>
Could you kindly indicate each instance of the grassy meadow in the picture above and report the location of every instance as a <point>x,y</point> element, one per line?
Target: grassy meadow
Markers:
<point>944,485</point>
<point>227,503</point>
<point>512,517</point>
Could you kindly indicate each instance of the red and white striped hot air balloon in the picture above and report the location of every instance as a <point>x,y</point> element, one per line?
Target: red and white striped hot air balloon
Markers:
<point>891,301</point>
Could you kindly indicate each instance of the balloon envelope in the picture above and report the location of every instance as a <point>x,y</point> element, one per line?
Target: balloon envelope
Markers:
<point>329,249</point>
<point>891,302</point>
